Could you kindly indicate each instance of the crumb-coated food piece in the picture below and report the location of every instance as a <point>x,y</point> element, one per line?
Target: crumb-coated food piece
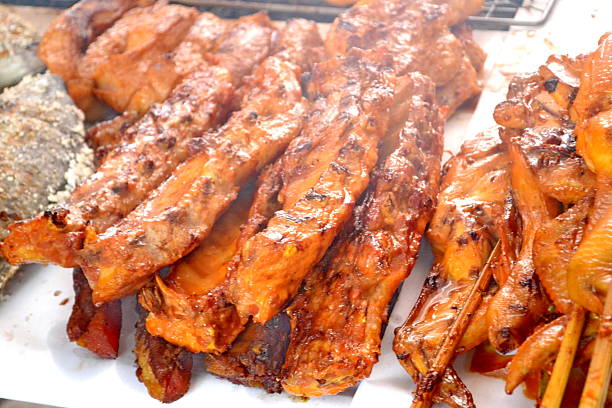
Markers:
<point>18,41</point>
<point>43,154</point>
<point>94,328</point>
<point>338,316</point>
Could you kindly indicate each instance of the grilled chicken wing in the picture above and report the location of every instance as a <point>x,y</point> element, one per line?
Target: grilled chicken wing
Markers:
<point>590,270</point>
<point>474,211</point>
<point>337,318</point>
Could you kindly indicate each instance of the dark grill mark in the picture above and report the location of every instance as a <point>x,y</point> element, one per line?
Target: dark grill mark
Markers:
<point>551,85</point>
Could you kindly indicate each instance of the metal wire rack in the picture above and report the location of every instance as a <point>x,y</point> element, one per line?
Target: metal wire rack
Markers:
<point>496,14</point>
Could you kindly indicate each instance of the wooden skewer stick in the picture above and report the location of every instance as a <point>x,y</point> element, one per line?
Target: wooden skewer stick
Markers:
<point>427,386</point>
<point>565,359</point>
<point>595,390</point>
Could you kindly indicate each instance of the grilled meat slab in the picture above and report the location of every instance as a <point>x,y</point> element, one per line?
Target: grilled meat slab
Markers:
<point>157,143</point>
<point>338,316</point>
<point>326,170</point>
<point>180,213</point>
<point>69,35</point>
<point>165,369</point>
<point>256,357</point>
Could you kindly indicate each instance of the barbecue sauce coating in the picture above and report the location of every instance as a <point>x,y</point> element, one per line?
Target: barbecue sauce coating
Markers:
<point>337,317</point>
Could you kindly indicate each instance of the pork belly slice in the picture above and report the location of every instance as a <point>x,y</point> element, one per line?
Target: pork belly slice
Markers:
<point>165,369</point>
<point>154,146</point>
<point>325,172</point>
<point>66,40</point>
<point>178,215</point>
<point>256,357</point>
<point>189,307</point>
<point>95,328</point>
<point>338,316</point>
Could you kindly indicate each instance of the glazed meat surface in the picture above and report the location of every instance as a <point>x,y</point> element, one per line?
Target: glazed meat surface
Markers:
<point>157,143</point>
<point>326,170</point>
<point>188,307</point>
<point>160,143</point>
<point>473,212</point>
<point>180,213</point>
<point>418,36</point>
<point>165,369</point>
<point>198,279</point>
<point>256,357</point>
<point>69,35</point>
<point>337,317</point>
<point>140,37</point>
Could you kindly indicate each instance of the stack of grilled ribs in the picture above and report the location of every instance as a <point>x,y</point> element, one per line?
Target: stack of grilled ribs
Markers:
<point>263,191</point>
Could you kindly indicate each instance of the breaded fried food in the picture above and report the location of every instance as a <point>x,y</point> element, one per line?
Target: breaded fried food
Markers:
<point>65,41</point>
<point>326,170</point>
<point>473,213</point>
<point>337,318</point>
<point>178,215</point>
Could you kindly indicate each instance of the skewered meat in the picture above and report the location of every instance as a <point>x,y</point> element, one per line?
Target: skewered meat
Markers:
<point>590,270</point>
<point>180,213</point>
<point>18,43</point>
<point>43,152</point>
<point>473,212</point>
<point>326,170</point>
<point>157,144</point>
<point>337,318</point>
<point>69,35</point>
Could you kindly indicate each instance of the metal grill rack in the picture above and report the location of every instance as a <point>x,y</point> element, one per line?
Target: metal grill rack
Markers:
<point>496,15</point>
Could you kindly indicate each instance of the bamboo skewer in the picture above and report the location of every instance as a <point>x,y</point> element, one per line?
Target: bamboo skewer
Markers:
<point>565,359</point>
<point>595,390</point>
<point>427,386</point>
